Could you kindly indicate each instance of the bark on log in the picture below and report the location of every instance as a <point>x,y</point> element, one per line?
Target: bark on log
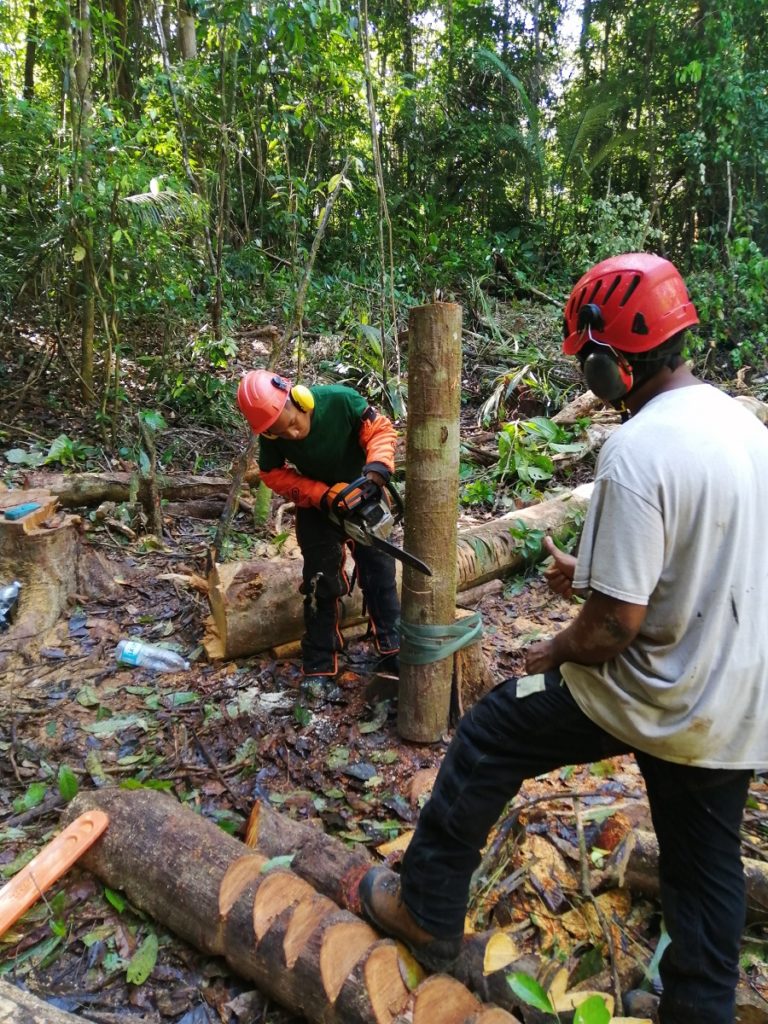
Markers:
<point>256,604</point>
<point>19,1007</point>
<point>271,926</point>
<point>432,492</point>
<point>77,489</point>
<point>642,873</point>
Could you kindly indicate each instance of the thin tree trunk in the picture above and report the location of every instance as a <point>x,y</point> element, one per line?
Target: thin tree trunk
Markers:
<point>81,117</point>
<point>123,81</point>
<point>187,35</point>
<point>432,475</point>
<point>30,52</point>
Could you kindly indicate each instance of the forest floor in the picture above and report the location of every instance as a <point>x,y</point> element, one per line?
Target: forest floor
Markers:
<point>224,734</point>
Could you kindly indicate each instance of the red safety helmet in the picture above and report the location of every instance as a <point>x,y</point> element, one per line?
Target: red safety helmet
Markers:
<point>633,302</point>
<point>261,396</point>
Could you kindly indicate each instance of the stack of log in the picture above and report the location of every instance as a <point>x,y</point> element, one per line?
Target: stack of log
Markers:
<point>271,926</point>
<point>297,934</point>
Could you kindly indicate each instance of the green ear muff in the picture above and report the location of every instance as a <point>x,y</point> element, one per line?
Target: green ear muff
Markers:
<point>607,377</point>
<point>303,398</point>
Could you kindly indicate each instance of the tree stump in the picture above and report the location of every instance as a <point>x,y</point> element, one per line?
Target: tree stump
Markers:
<point>41,550</point>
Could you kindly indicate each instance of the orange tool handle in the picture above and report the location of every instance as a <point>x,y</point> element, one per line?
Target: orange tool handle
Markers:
<point>54,860</point>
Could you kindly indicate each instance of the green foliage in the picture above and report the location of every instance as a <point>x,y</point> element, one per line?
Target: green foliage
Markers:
<point>68,784</point>
<point>525,453</point>
<point>731,299</point>
<point>593,1010</point>
<point>528,538</point>
<point>143,961</point>
<point>609,227</point>
<point>530,991</point>
<point>185,198</point>
<point>63,450</point>
<point>477,492</point>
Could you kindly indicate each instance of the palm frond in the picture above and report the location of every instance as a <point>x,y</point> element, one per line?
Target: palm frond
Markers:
<point>489,59</point>
<point>164,207</point>
<point>576,136</point>
<point>614,143</point>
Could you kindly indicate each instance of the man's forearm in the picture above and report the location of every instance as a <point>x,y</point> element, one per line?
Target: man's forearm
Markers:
<point>603,629</point>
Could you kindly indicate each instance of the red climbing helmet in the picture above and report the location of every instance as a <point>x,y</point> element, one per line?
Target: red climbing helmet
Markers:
<point>261,396</point>
<point>633,302</point>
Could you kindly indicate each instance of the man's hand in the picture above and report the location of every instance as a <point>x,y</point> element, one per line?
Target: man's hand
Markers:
<point>376,478</point>
<point>540,657</point>
<point>603,628</point>
<point>559,575</point>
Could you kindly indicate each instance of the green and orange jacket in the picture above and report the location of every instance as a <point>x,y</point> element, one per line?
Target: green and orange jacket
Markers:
<point>347,438</point>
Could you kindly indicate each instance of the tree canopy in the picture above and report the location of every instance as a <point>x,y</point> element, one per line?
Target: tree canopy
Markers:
<point>166,165</point>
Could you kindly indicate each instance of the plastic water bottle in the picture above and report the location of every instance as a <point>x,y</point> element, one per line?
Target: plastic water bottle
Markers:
<point>158,659</point>
<point>9,597</point>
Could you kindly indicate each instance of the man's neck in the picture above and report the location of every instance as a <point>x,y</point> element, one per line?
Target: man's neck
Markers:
<point>666,379</point>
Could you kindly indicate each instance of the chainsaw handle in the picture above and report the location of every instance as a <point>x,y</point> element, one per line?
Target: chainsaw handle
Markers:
<point>364,490</point>
<point>354,494</point>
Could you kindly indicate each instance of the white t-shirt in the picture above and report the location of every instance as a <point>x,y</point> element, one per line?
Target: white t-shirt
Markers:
<point>678,521</point>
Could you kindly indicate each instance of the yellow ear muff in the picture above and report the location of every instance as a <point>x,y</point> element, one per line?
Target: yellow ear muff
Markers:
<point>303,397</point>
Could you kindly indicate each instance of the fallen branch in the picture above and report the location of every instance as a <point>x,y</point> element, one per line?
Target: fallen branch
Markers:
<point>77,489</point>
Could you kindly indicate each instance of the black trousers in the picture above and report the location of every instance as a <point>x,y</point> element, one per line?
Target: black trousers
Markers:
<point>325,583</point>
<point>696,812</point>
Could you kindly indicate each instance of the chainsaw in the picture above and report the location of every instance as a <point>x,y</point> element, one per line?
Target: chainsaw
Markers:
<point>363,512</point>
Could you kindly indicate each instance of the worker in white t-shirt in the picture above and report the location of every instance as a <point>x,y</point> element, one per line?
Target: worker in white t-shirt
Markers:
<point>667,658</point>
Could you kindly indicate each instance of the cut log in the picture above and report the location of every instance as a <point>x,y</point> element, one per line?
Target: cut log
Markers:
<point>640,872</point>
<point>19,1007</point>
<point>40,550</point>
<point>257,605</point>
<point>486,957</point>
<point>77,489</point>
<point>333,868</point>
<point>297,945</point>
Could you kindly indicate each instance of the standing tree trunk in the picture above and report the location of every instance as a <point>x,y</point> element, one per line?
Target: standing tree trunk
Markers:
<point>82,108</point>
<point>187,36</point>
<point>30,52</point>
<point>432,481</point>
<point>123,80</point>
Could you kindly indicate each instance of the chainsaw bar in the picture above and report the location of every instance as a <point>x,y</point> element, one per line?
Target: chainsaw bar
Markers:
<point>403,556</point>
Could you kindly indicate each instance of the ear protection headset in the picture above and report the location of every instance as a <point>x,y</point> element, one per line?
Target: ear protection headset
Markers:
<point>606,371</point>
<point>301,396</point>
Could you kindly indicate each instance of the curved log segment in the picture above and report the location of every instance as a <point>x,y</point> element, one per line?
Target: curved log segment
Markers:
<point>271,926</point>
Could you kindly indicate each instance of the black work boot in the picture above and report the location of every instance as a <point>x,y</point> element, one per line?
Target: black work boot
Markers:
<point>389,664</point>
<point>318,688</point>
<point>383,904</point>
